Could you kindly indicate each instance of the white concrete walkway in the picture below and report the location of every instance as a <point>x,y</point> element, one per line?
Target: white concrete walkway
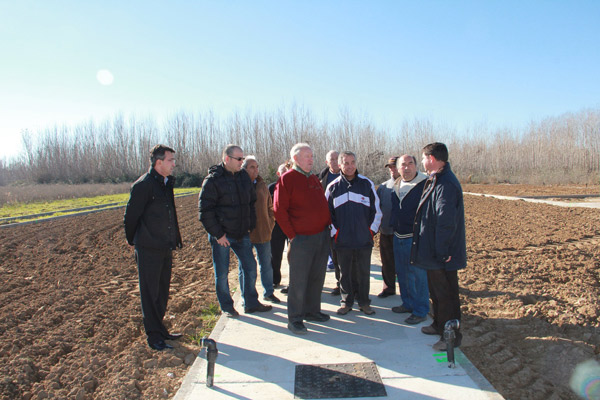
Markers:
<point>258,354</point>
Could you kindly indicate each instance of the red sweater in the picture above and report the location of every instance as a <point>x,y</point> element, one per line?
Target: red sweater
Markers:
<point>300,205</point>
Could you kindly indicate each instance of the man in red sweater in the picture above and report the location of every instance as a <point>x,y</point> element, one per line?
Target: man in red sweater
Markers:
<point>302,212</point>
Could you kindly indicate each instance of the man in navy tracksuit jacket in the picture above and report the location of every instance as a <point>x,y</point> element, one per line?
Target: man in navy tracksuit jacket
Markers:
<point>355,216</point>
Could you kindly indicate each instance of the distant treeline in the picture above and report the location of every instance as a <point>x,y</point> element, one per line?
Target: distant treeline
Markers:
<point>562,149</point>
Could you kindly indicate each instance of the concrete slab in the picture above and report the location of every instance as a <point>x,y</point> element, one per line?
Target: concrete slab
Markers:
<point>258,354</point>
<point>590,202</point>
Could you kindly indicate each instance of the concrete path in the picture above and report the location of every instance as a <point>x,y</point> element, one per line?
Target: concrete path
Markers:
<point>258,355</point>
<point>591,202</point>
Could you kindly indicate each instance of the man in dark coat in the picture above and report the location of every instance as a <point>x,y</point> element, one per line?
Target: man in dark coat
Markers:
<point>226,209</point>
<point>439,240</point>
<point>151,226</point>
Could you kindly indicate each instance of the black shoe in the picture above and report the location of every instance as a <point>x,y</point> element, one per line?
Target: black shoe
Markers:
<point>160,345</point>
<point>316,317</point>
<point>413,319</point>
<point>284,289</point>
<point>259,308</point>
<point>173,336</point>
<point>297,327</point>
<point>401,310</point>
<point>336,291</point>
<point>383,295</point>
<point>232,313</point>
<point>272,298</point>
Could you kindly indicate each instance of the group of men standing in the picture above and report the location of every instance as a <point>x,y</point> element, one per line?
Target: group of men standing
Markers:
<point>420,218</point>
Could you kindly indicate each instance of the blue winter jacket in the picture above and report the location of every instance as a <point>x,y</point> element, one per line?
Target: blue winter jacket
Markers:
<point>355,212</point>
<point>439,230</point>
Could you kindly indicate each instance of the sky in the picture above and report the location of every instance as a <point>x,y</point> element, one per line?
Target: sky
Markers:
<point>501,63</point>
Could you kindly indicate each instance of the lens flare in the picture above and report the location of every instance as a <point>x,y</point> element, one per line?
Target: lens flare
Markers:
<point>585,380</point>
<point>105,77</point>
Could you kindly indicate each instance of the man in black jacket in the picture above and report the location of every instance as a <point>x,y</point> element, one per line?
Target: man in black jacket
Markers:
<point>226,209</point>
<point>439,240</point>
<point>151,226</point>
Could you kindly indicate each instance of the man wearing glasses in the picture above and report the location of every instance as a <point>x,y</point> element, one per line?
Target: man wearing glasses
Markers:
<point>226,208</point>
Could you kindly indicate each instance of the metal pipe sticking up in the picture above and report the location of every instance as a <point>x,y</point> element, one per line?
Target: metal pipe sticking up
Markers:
<point>211,357</point>
<point>450,329</point>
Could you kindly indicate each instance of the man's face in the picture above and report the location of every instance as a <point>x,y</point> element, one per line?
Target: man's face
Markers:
<point>394,174</point>
<point>348,166</point>
<point>252,169</point>
<point>408,168</point>
<point>304,159</point>
<point>332,163</point>
<point>427,162</point>
<point>234,162</point>
<point>165,167</point>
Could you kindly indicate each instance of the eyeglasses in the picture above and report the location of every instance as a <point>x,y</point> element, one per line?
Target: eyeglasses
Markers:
<point>237,158</point>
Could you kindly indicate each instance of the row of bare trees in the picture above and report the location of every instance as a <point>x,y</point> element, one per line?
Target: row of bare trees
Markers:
<point>562,149</point>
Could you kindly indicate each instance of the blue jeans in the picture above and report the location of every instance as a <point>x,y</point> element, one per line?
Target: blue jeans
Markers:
<point>263,253</point>
<point>411,279</point>
<point>246,266</point>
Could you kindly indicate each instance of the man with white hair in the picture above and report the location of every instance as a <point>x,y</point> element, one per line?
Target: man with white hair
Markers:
<point>302,213</point>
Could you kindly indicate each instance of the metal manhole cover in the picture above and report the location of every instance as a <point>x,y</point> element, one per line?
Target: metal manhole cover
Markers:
<point>328,381</point>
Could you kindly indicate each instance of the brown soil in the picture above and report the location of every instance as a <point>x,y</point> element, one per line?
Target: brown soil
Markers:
<point>70,319</point>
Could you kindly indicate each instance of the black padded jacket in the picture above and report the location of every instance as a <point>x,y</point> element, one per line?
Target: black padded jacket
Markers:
<point>226,203</point>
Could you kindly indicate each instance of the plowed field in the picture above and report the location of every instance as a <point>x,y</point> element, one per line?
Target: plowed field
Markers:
<point>70,318</point>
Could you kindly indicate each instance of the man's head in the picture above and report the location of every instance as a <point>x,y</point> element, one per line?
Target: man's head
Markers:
<point>435,156</point>
<point>251,166</point>
<point>332,161</point>
<point>233,157</point>
<point>282,169</point>
<point>391,164</point>
<point>407,167</point>
<point>302,156</point>
<point>162,159</point>
<point>347,161</point>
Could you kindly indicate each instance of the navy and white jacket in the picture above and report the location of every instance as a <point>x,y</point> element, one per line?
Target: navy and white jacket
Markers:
<point>355,211</point>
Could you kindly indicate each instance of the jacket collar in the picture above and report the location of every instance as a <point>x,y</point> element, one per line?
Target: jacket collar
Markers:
<point>170,179</point>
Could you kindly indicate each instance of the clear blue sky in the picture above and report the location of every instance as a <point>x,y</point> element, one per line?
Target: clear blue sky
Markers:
<point>503,63</point>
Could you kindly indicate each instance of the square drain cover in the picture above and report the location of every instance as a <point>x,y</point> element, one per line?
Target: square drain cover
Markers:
<point>326,381</point>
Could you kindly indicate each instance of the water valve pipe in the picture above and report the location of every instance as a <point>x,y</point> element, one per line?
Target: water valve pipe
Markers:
<point>211,357</point>
<point>450,329</point>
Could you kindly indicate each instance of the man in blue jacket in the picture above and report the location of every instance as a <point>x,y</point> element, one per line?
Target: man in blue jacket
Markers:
<point>405,199</point>
<point>439,241</point>
<point>151,226</point>
<point>355,217</point>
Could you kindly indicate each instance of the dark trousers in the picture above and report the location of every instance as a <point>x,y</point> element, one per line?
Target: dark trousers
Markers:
<point>307,256</point>
<point>278,239</point>
<point>334,260</point>
<point>355,266</point>
<point>443,289</point>
<point>154,272</point>
<point>388,266</point>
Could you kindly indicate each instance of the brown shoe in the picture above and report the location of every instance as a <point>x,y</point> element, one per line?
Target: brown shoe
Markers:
<point>344,310</point>
<point>367,310</point>
<point>429,330</point>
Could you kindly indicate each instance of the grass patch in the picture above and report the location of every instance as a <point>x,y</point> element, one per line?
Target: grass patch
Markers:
<point>67,206</point>
<point>209,318</point>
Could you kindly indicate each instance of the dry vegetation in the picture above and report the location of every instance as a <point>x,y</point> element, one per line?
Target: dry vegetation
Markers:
<point>562,149</point>
<point>59,191</point>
